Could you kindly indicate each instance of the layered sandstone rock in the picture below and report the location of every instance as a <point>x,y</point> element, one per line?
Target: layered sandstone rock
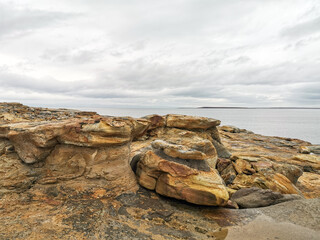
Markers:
<point>186,176</point>
<point>66,174</point>
<point>78,147</point>
<point>87,153</point>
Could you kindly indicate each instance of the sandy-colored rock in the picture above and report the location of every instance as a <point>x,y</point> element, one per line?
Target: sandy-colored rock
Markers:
<point>178,180</point>
<point>34,141</point>
<point>290,171</point>
<point>78,183</point>
<point>309,185</point>
<point>204,188</point>
<point>98,167</point>
<point>14,175</point>
<point>273,181</point>
<point>261,166</point>
<point>310,149</point>
<point>308,161</point>
<point>190,122</point>
<point>243,166</point>
<point>178,151</point>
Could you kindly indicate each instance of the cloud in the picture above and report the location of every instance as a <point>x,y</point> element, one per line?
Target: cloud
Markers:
<point>18,20</point>
<point>303,29</point>
<point>160,54</point>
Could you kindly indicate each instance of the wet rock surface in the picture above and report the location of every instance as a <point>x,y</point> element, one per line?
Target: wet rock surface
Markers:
<point>66,174</point>
<point>257,197</point>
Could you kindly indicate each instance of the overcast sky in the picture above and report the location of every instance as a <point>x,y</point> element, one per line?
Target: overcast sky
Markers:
<point>168,53</point>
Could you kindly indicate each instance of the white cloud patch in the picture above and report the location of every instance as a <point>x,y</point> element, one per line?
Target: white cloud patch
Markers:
<point>160,54</point>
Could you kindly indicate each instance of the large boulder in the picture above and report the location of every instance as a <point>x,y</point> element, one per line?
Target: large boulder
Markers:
<point>177,175</point>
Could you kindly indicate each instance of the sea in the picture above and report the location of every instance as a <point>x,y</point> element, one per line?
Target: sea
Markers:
<point>303,124</point>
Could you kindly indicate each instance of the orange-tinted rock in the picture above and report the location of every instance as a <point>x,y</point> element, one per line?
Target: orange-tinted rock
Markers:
<point>242,166</point>
<point>34,141</point>
<point>190,122</point>
<point>98,167</point>
<point>310,149</point>
<point>306,160</point>
<point>178,151</point>
<point>177,180</point>
<point>273,181</point>
<point>309,184</point>
<point>204,188</point>
<point>290,171</point>
<point>15,176</point>
<point>261,166</point>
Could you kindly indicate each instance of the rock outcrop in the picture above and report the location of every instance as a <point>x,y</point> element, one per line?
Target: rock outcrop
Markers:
<point>87,152</point>
<point>181,161</point>
<point>70,174</point>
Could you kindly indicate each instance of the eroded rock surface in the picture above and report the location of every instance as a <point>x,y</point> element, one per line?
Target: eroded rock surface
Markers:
<point>66,174</point>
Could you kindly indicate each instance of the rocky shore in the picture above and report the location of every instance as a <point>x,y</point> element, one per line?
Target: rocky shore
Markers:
<point>67,174</point>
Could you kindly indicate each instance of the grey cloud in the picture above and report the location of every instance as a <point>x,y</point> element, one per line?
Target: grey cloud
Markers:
<point>240,60</point>
<point>18,20</point>
<point>16,81</point>
<point>302,29</point>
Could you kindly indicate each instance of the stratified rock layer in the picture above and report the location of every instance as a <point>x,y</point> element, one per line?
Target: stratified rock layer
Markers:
<point>66,174</point>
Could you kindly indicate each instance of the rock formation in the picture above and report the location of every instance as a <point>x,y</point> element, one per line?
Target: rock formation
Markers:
<point>82,168</point>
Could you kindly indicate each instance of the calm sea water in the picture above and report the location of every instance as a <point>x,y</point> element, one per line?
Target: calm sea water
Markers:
<point>294,123</point>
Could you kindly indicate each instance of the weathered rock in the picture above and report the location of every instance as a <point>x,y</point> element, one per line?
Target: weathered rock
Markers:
<point>309,184</point>
<point>310,149</point>
<point>156,121</point>
<point>268,180</point>
<point>189,148</point>
<point>228,128</point>
<point>78,183</point>
<point>308,161</point>
<point>228,174</point>
<point>15,176</point>
<point>261,166</point>
<point>190,122</point>
<point>204,188</point>
<point>221,149</point>
<point>304,149</point>
<point>257,197</point>
<point>177,180</point>
<point>222,164</point>
<point>34,141</point>
<point>290,171</point>
<point>5,146</point>
<point>178,151</point>
<point>242,166</point>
